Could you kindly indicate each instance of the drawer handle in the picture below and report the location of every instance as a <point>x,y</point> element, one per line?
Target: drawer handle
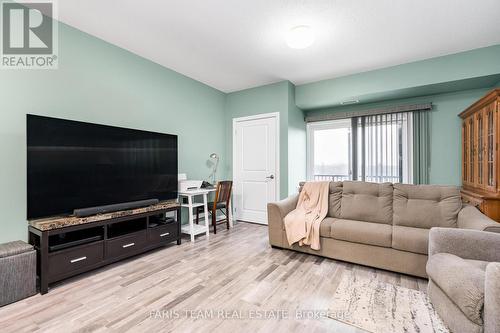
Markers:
<point>165,234</point>
<point>128,245</point>
<point>78,259</point>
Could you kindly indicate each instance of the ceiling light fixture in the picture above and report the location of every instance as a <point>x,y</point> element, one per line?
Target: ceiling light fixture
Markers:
<point>300,37</point>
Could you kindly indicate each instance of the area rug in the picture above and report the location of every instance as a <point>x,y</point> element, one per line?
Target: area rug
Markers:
<point>380,307</point>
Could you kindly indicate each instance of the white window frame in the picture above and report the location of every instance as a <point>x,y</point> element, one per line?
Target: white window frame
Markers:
<point>320,125</point>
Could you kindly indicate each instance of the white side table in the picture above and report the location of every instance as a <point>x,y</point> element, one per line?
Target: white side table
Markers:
<point>191,228</point>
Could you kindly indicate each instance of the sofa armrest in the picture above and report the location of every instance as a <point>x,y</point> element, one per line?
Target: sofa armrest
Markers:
<point>492,298</point>
<point>276,212</point>
<point>466,244</point>
<point>470,217</point>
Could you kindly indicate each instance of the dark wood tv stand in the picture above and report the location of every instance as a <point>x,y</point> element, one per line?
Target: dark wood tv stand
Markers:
<point>67,246</point>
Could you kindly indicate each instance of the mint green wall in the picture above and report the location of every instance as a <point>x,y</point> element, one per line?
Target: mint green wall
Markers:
<point>296,143</point>
<point>471,69</point>
<point>277,97</point>
<point>445,129</point>
<point>249,102</point>
<point>101,83</point>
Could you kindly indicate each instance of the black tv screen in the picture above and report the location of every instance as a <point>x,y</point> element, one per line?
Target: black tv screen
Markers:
<point>75,165</point>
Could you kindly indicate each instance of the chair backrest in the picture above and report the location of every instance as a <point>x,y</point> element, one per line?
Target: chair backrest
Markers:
<point>223,193</point>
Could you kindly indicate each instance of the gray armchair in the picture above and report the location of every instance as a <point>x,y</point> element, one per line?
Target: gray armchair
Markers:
<point>464,278</point>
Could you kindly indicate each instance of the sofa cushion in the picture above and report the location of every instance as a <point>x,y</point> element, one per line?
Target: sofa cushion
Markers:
<point>325,228</point>
<point>369,202</point>
<point>461,281</point>
<point>410,239</point>
<point>362,232</point>
<point>426,206</point>
<point>334,198</point>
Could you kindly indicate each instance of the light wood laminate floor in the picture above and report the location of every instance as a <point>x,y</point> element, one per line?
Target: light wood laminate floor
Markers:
<point>185,289</point>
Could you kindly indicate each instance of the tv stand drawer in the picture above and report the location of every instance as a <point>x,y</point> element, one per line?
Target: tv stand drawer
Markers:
<point>66,261</point>
<point>163,233</point>
<point>126,245</point>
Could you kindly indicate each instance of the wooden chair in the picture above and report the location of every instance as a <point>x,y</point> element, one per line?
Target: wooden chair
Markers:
<point>221,203</point>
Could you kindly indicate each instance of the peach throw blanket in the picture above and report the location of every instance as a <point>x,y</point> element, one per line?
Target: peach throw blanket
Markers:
<point>302,223</point>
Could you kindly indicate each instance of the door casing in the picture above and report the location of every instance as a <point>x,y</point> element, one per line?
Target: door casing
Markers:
<point>277,176</point>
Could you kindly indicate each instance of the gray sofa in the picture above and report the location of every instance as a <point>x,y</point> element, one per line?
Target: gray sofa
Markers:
<point>382,225</point>
<point>464,279</point>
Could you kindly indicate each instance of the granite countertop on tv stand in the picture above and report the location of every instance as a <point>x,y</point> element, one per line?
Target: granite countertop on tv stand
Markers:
<point>66,221</point>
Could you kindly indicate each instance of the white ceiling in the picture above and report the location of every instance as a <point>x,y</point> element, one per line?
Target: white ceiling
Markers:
<point>236,44</point>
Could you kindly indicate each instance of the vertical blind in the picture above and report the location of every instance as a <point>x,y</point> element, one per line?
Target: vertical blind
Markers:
<point>383,148</point>
<point>421,147</point>
<point>384,145</point>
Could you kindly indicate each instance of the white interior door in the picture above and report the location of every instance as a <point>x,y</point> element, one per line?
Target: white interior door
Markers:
<point>255,163</point>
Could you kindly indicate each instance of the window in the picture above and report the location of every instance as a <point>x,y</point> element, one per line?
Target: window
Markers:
<point>329,150</point>
<point>370,148</point>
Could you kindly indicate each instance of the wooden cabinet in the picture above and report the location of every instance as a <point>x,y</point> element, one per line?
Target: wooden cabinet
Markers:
<point>480,139</point>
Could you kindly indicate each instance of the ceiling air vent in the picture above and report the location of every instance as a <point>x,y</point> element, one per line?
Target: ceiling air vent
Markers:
<point>352,101</point>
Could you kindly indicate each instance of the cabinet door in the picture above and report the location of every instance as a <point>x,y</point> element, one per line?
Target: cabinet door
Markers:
<point>491,147</point>
<point>472,149</point>
<point>465,153</point>
<point>480,140</point>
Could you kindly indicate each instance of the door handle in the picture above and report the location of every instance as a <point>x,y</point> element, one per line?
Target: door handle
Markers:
<point>128,245</point>
<point>270,177</point>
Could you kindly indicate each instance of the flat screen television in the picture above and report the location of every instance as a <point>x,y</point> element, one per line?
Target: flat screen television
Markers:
<point>73,165</point>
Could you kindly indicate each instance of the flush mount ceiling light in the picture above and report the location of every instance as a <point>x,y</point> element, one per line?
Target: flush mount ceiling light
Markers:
<point>300,37</point>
